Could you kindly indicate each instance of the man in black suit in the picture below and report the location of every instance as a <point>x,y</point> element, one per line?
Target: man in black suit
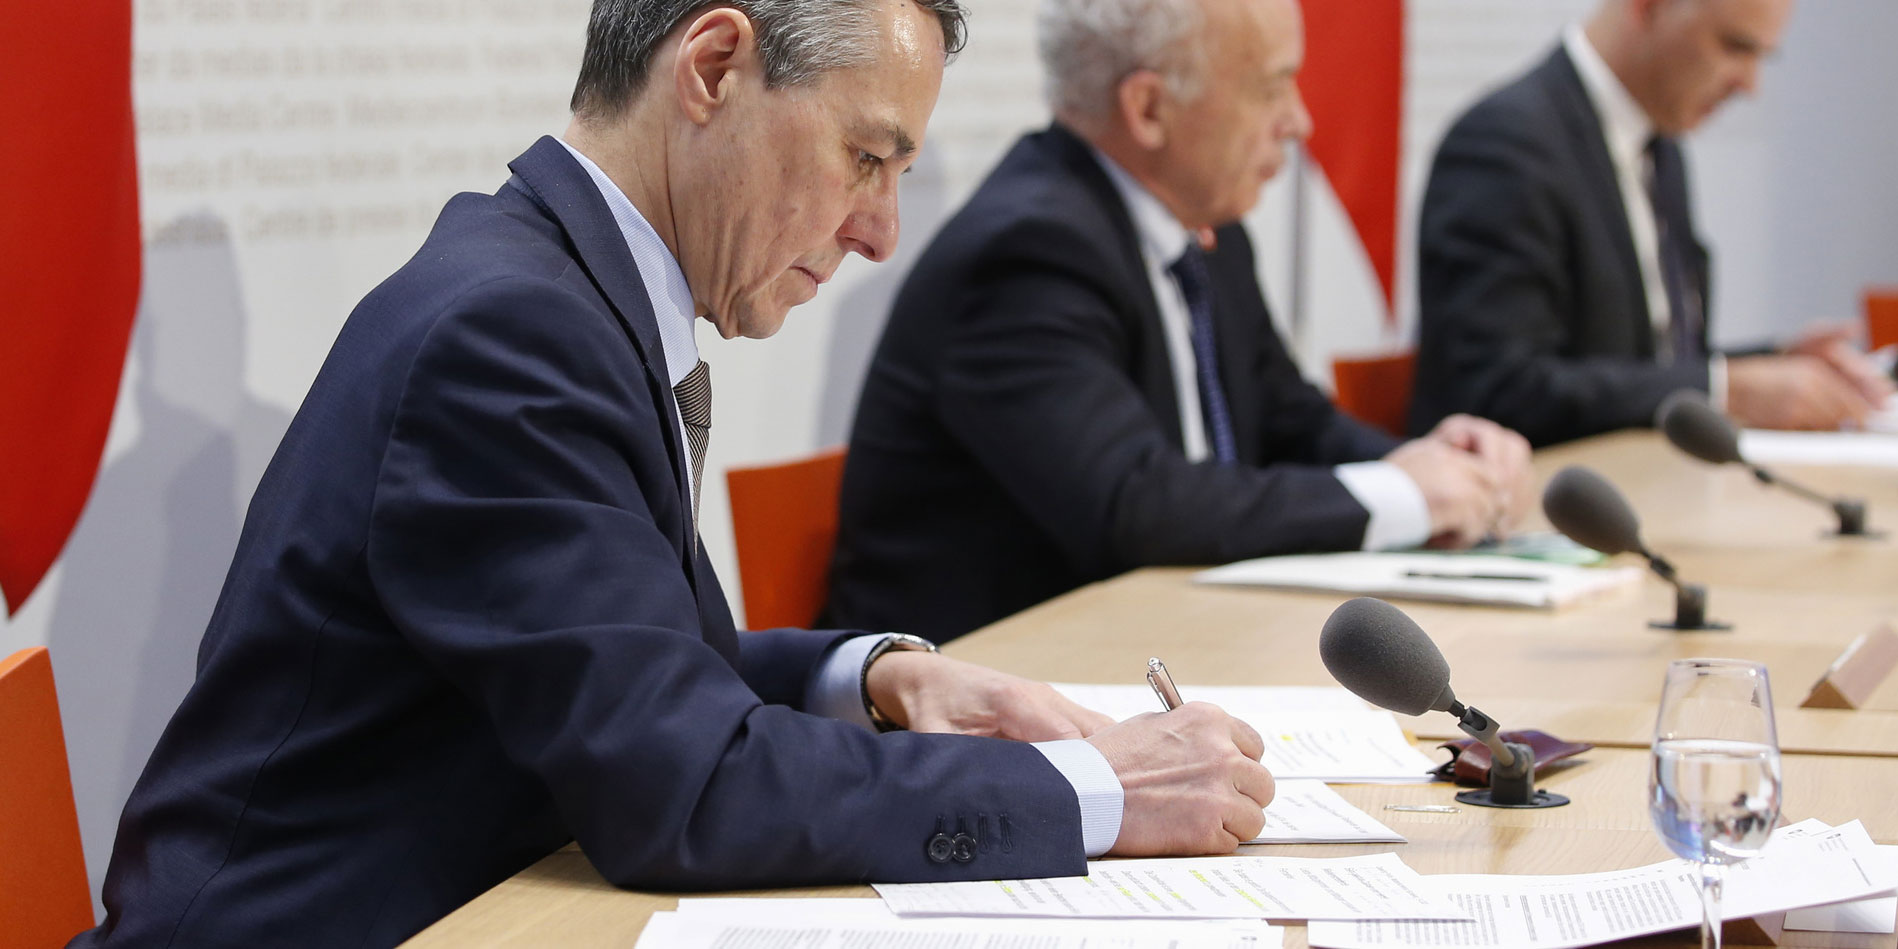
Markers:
<point>1069,386</point>
<point>1564,291</point>
<point>469,618</point>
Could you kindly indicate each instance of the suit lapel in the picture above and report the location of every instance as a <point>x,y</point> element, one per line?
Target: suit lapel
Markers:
<point>548,175</point>
<point>1583,127</point>
<point>1155,369</point>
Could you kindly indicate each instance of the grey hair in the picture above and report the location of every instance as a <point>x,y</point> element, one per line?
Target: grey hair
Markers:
<point>1089,46</point>
<point>797,39</point>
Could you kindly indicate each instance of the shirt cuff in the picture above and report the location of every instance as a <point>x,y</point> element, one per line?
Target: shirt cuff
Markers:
<point>1399,515</point>
<point>1095,786</point>
<point>1717,382</point>
<point>836,691</point>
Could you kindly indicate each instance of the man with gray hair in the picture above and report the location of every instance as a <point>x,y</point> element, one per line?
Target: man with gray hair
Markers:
<point>1080,376</point>
<point>470,619</point>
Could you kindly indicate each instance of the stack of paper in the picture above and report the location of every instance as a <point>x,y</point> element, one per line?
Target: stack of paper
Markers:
<point>1315,734</point>
<point>1376,886</point>
<point>1307,812</point>
<point>1555,912</point>
<point>1860,449</point>
<point>1454,578</point>
<point>852,924</point>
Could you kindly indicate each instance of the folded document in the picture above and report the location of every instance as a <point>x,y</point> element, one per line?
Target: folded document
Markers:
<point>1454,578</point>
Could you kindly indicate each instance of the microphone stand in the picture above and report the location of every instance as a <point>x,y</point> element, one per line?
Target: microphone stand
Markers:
<point>1512,766</point>
<point>1690,599</point>
<point>1849,511</point>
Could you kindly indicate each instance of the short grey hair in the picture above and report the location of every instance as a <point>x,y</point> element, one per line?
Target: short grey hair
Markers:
<point>1089,46</point>
<point>797,39</point>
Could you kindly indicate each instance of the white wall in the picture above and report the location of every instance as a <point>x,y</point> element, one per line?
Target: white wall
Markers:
<point>293,153</point>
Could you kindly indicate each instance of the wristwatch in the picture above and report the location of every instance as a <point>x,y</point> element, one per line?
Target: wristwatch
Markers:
<point>894,642</point>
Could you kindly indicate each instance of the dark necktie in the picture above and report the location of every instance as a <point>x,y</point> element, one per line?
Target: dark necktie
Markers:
<point>1674,231</point>
<point>694,394</point>
<point>1196,287</point>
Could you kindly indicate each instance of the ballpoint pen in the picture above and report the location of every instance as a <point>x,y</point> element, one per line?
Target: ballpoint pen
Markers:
<point>1445,575</point>
<point>1162,684</point>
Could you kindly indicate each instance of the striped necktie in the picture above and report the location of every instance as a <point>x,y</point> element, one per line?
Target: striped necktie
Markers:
<point>694,394</point>
<point>1667,193</point>
<point>1196,286</point>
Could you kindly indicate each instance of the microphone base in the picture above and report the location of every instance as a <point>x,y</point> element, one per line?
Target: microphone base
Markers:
<point>1865,533</point>
<point>1483,797</point>
<point>1690,610</point>
<point>1704,626</point>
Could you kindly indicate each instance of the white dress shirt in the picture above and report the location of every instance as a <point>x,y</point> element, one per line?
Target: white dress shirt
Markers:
<point>1626,129</point>
<point>1399,516</point>
<point>836,691</point>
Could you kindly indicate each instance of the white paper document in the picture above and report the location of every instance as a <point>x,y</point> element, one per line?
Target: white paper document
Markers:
<point>1878,914</point>
<point>1453,578</point>
<point>1375,886</point>
<point>768,923</point>
<point>1853,449</point>
<point>1556,912</point>
<point>1308,812</point>
<point>1316,734</point>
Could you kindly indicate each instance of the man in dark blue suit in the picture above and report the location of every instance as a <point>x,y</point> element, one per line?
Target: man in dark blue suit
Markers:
<point>469,618</point>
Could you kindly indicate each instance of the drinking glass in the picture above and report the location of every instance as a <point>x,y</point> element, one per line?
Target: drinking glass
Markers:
<point>1714,791</point>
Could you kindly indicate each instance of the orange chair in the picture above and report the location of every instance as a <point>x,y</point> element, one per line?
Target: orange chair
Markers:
<point>784,520</point>
<point>1376,389</point>
<point>44,897</point>
<point>1881,316</point>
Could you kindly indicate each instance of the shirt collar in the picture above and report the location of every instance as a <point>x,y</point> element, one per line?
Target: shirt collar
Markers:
<point>1161,234</point>
<point>1624,124</point>
<point>665,283</point>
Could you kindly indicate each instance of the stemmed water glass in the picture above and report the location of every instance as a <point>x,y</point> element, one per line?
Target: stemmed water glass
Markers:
<point>1714,791</point>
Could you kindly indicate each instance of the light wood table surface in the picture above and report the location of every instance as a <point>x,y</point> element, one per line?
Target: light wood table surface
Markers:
<point>1591,672</point>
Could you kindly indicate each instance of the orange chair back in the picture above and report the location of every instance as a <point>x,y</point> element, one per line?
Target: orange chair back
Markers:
<point>1376,389</point>
<point>784,519</point>
<point>1881,316</point>
<point>44,897</point>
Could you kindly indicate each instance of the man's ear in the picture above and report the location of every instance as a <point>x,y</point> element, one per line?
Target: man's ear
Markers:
<point>1142,102</point>
<point>713,53</point>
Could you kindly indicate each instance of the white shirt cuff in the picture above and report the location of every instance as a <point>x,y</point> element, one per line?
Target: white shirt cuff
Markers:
<point>836,691</point>
<point>1095,786</point>
<point>1399,515</point>
<point>1717,382</point>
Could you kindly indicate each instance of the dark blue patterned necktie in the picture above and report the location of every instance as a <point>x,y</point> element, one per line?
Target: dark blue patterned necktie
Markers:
<point>1196,287</point>
<point>1667,193</point>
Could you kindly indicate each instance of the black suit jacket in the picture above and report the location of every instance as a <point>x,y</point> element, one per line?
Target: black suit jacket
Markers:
<point>1018,433</point>
<point>463,627</point>
<point>1532,310</point>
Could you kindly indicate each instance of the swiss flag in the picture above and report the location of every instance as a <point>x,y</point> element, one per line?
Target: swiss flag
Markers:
<point>1353,83</point>
<point>69,267</point>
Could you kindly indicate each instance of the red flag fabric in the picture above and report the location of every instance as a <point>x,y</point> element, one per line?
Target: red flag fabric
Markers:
<point>69,267</point>
<point>1353,82</point>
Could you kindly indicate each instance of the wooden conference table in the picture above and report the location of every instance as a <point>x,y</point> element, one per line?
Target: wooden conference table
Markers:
<point>1589,672</point>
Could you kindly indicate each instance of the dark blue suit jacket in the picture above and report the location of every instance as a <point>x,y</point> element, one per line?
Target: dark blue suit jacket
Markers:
<point>1018,433</point>
<point>462,628</point>
<point>1531,307</point>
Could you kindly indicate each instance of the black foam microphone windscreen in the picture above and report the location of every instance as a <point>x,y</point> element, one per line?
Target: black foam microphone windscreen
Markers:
<point>1583,505</point>
<point>1698,428</point>
<point>1378,653</point>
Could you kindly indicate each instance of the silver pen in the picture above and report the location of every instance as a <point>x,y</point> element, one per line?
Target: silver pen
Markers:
<point>1162,684</point>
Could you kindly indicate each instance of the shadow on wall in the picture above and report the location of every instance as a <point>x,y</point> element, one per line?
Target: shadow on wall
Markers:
<point>144,566</point>
<point>862,311</point>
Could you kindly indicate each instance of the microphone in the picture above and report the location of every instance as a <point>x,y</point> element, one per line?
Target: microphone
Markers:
<point>1699,429</point>
<point>1583,505</point>
<point>1381,655</point>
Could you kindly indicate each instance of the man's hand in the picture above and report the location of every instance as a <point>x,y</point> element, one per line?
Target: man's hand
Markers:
<point>926,692</point>
<point>1832,345</point>
<point>1461,490</point>
<point>1796,390</point>
<point>1192,780</point>
<point>1506,453</point>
